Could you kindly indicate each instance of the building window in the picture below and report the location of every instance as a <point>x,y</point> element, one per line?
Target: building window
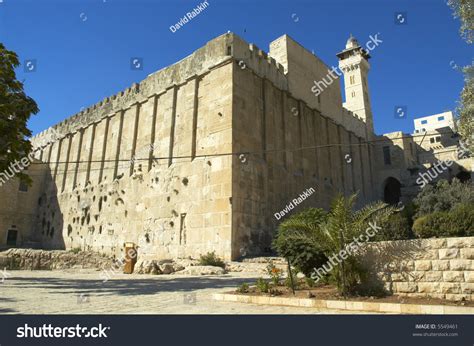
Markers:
<point>416,131</point>
<point>352,79</point>
<point>353,94</point>
<point>438,139</point>
<point>23,187</point>
<point>424,130</point>
<point>432,140</point>
<point>423,122</point>
<point>386,155</point>
<point>441,118</point>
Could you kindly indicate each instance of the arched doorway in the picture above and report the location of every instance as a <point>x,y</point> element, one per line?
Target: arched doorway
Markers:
<point>392,191</point>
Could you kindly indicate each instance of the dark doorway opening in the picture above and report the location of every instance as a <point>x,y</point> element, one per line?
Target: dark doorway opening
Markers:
<point>392,191</point>
<point>463,176</point>
<point>11,237</point>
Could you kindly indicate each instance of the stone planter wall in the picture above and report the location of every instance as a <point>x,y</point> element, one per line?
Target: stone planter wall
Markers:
<point>439,268</point>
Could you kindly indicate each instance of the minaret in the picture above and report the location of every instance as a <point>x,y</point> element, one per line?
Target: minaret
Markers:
<point>354,63</point>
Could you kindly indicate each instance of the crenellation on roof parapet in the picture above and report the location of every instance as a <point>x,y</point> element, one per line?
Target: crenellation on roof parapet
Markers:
<point>201,61</point>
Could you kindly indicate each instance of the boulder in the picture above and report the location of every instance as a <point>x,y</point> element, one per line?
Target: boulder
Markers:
<point>186,262</point>
<point>147,267</point>
<point>177,267</point>
<point>202,270</point>
<point>167,268</point>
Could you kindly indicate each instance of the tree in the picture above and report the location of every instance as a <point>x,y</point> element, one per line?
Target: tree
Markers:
<point>333,232</point>
<point>293,240</point>
<point>466,108</point>
<point>443,196</point>
<point>15,110</point>
<point>463,9</point>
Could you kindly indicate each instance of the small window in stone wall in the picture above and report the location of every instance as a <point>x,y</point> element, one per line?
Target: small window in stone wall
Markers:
<point>23,187</point>
<point>386,156</point>
<point>182,229</point>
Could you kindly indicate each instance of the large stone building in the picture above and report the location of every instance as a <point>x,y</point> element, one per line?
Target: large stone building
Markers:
<point>406,163</point>
<point>200,156</point>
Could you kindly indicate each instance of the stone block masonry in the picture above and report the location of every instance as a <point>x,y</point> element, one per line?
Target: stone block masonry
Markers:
<point>157,164</point>
<point>289,207</point>
<point>439,268</point>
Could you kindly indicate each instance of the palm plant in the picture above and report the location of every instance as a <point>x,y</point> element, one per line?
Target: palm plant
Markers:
<point>294,240</point>
<point>330,233</point>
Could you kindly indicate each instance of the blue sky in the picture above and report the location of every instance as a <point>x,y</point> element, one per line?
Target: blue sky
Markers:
<point>82,49</point>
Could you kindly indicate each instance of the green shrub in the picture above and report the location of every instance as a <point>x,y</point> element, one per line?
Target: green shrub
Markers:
<point>443,196</point>
<point>211,259</point>
<point>243,288</point>
<point>311,237</point>
<point>396,227</point>
<point>295,281</point>
<point>459,222</point>
<point>303,253</point>
<point>262,285</point>
<point>309,282</point>
<point>274,273</point>
<point>76,250</point>
<point>274,291</point>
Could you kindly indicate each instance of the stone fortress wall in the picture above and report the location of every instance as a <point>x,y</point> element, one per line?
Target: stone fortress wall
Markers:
<point>98,197</point>
<point>227,97</point>
<point>271,120</point>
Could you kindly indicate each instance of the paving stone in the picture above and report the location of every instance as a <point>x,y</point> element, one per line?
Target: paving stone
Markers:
<point>128,294</point>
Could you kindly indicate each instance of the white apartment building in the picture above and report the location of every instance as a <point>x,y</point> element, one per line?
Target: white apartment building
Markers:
<point>434,122</point>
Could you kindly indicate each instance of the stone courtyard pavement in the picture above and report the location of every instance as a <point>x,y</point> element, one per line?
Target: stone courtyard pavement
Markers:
<point>83,292</point>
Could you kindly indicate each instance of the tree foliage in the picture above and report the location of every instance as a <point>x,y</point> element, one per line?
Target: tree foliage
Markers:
<point>464,10</point>
<point>15,110</point>
<point>443,196</point>
<point>458,222</point>
<point>466,109</point>
<point>293,240</point>
<point>329,233</point>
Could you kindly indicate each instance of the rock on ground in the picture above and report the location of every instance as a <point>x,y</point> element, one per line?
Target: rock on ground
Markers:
<point>203,270</point>
<point>32,259</point>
